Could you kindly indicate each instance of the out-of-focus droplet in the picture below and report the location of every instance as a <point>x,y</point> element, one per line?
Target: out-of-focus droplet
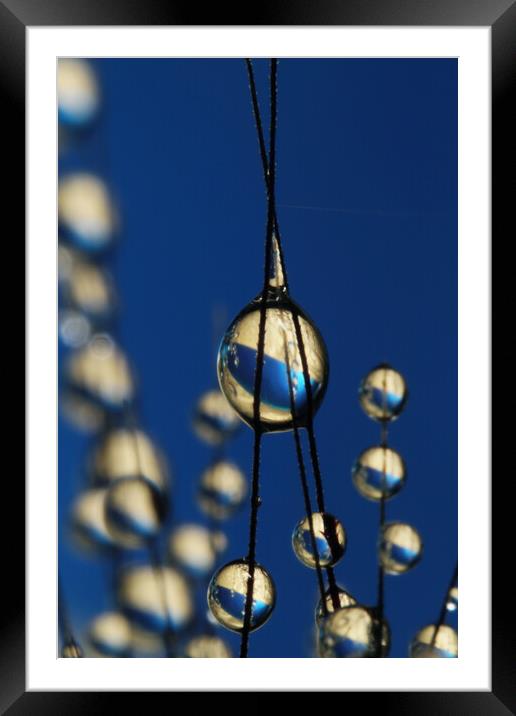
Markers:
<point>124,452</point>
<point>214,420</point>
<point>207,647</point>
<point>330,539</point>
<point>85,287</point>
<point>72,651</point>
<point>383,393</point>
<point>110,635</point>
<point>193,548</point>
<point>400,547</point>
<point>379,469</point>
<point>98,376</point>
<point>74,328</point>
<point>135,511</point>
<point>89,526</point>
<point>222,490</point>
<point>434,642</point>
<point>352,632</point>
<point>156,599</point>
<point>84,416</point>
<point>237,363</point>
<point>345,600</point>
<point>77,93</point>
<point>227,595</point>
<point>453,599</point>
<point>86,214</point>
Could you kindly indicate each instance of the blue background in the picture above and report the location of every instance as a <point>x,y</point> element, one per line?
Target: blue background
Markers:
<point>367,203</point>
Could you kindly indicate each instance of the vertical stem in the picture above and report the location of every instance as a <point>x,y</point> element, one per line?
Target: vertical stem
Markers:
<point>265,161</point>
<point>255,496</point>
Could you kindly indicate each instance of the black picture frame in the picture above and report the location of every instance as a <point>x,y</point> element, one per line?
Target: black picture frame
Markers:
<point>500,15</point>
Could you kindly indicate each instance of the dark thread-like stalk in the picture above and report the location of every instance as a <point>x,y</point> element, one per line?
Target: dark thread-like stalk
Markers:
<point>255,486</point>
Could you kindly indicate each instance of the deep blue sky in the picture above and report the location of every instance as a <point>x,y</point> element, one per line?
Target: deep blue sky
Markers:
<point>367,201</point>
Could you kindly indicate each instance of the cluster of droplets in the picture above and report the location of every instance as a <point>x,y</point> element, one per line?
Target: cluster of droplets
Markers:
<point>125,504</point>
<point>346,628</point>
<point>222,490</point>
<point>122,509</point>
<point>283,399</point>
<point>380,472</point>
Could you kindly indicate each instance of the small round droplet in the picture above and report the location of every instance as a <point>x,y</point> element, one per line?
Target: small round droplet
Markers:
<point>379,470</point>
<point>352,632</point>
<point>85,287</point>
<point>400,547</point>
<point>237,362</point>
<point>125,453</point>
<point>155,599</point>
<point>344,598</point>
<point>77,93</point>
<point>227,594</point>
<point>383,393</point>
<point>74,328</point>
<point>452,603</point>
<point>110,635</point>
<point>434,642</point>
<point>215,421</point>
<point>330,539</point>
<point>207,647</point>
<point>135,511</point>
<point>99,375</point>
<point>193,548</point>
<point>86,214</point>
<point>222,490</point>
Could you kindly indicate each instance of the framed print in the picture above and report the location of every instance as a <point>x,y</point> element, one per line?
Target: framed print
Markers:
<point>234,230</point>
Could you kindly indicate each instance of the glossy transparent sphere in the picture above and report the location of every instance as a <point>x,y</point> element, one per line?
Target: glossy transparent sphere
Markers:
<point>77,93</point>
<point>345,600</point>
<point>237,362</point>
<point>352,632</point>
<point>125,452</point>
<point>214,420</point>
<point>155,599</point>
<point>400,548</point>
<point>72,651</point>
<point>86,214</point>
<point>452,603</point>
<point>222,490</point>
<point>110,635</point>
<point>194,548</point>
<point>99,375</point>
<point>383,393</point>
<point>435,643</point>
<point>330,539</point>
<point>207,646</point>
<point>135,511</point>
<point>227,595</point>
<point>379,469</point>
<point>89,526</point>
